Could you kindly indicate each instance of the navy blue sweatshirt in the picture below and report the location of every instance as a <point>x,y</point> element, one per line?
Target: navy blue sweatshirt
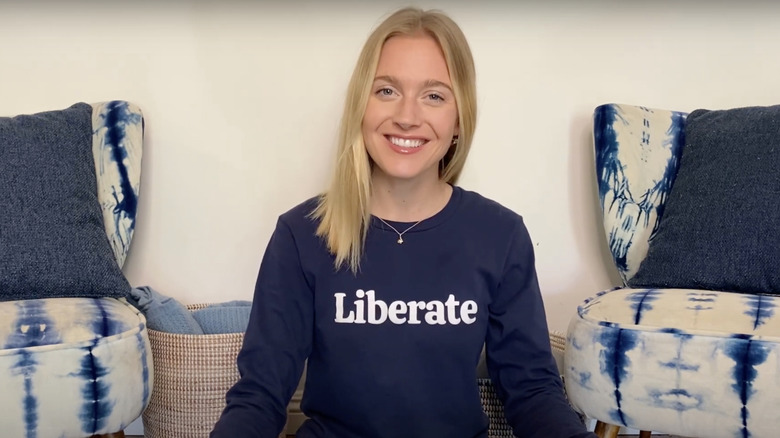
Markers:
<point>393,351</point>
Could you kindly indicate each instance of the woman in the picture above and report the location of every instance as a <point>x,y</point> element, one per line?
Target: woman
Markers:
<point>392,281</point>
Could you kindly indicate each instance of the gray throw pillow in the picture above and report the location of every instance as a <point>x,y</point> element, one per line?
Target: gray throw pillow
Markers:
<point>721,225</point>
<point>52,239</point>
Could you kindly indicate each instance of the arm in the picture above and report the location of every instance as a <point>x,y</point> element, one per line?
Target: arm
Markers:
<point>277,342</point>
<point>519,357</point>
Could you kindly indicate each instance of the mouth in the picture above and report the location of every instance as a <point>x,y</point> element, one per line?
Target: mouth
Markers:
<point>406,143</point>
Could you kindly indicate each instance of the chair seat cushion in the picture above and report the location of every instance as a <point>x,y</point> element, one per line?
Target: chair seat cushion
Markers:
<point>643,357</point>
<point>63,322</point>
<point>72,366</point>
<point>692,311</point>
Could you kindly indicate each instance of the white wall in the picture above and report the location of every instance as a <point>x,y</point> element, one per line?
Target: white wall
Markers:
<point>242,101</point>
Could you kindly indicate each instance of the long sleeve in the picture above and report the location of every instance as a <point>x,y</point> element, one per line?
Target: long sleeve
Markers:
<point>277,342</point>
<point>519,358</point>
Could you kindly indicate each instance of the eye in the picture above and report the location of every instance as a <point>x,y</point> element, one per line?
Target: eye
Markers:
<point>385,92</point>
<point>436,97</point>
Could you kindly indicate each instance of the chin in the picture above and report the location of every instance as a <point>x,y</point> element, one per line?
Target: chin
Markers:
<point>402,175</point>
<point>405,174</point>
<point>406,167</point>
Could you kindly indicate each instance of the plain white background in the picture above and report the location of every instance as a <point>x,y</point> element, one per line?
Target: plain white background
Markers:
<point>242,100</point>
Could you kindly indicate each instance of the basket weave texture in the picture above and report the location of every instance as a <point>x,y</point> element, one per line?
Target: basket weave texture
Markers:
<point>192,373</point>
<point>558,342</point>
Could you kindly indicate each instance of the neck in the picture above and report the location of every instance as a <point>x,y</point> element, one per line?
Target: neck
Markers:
<point>408,201</point>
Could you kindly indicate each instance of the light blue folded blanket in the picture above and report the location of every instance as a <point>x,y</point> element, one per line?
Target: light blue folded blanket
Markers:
<point>163,313</point>
<point>229,317</point>
<point>166,314</point>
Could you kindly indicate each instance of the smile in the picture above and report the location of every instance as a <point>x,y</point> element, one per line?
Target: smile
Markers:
<point>406,142</point>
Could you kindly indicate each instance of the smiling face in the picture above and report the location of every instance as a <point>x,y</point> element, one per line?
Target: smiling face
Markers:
<point>411,116</point>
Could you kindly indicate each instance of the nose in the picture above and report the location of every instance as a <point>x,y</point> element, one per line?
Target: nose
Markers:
<point>407,114</point>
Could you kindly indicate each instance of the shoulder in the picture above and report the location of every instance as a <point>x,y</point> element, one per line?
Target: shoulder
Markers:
<point>489,214</point>
<point>300,218</point>
<point>497,232</point>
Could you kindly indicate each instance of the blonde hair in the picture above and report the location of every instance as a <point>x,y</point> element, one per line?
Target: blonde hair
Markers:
<point>344,210</point>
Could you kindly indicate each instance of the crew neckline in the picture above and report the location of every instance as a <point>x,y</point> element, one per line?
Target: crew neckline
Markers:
<point>425,224</point>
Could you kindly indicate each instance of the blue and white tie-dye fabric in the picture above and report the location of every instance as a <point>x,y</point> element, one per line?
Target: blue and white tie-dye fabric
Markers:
<point>694,363</point>
<point>117,146</point>
<point>637,156</point>
<point>72,367</point>
<point>689,362</point>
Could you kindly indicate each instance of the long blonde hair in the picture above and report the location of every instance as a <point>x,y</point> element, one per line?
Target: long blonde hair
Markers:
<point>344,210</point>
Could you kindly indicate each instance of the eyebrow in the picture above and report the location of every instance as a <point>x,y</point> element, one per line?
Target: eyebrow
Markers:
<point>429,83</point>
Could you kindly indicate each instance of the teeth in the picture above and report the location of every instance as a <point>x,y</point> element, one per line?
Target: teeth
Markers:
<point>406,143</point>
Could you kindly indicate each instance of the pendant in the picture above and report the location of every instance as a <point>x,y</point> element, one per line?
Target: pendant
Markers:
<point>400,240</point>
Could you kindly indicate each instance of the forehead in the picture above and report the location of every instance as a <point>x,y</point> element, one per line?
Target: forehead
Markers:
<point>413,58</point>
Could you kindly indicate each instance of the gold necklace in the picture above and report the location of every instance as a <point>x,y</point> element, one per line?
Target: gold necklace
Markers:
<point>400,234</point>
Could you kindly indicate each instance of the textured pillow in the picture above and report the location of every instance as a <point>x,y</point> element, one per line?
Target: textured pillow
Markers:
<point>721,226</point>
<point>52,239</point>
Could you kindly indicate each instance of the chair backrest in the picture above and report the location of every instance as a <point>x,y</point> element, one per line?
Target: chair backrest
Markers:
<point>637,156</point>
<point>117,144</point>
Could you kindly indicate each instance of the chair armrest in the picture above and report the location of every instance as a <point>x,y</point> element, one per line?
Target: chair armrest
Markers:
<point>637,156</point>
<point>117,144</point>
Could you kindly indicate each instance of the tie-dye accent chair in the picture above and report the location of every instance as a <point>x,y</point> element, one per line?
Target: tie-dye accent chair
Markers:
<point>78,367</point>
<point>695,363</point>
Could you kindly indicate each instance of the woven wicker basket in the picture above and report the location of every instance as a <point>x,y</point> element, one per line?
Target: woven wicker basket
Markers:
<point>558,342</point>
<point>192,373</point>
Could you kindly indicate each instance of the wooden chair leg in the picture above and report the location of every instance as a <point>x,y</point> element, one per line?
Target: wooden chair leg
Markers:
<point>600,429</point>
<point>604,430</point>
<point>644,434</point>
<point>120,434</point>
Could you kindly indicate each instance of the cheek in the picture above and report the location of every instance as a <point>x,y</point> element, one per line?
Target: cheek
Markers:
<point>449,116</point>
<point>447,123</point>
<point>373,115</point>
<point>368,129</point>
